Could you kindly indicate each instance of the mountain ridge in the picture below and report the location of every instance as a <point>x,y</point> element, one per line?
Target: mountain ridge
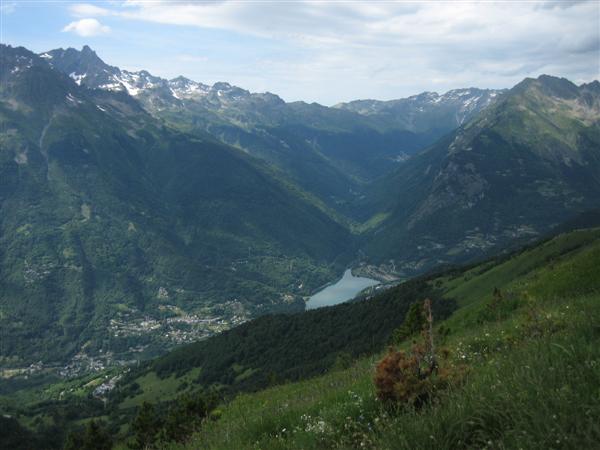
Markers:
<point>116,227</point>
<point>538,144</point>
<point>330,152</point>
<point>106,181</point>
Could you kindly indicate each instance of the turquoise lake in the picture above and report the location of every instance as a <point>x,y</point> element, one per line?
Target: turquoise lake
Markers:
<point>343,290</point>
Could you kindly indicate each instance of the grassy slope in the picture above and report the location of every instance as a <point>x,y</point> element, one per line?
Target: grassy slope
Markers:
<point>556,278</point>
<point>532,382</point>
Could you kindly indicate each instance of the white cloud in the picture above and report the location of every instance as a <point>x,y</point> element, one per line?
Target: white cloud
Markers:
<point>348,49</point>
<point>86,27</point>
<point>87,10</point>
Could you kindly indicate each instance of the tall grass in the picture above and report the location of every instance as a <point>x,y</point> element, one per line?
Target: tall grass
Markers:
<point>533,380</point>
<point>542,394</point>
<point>531,385</point>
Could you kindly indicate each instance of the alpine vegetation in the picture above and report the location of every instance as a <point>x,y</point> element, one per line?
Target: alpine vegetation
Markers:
<point>299,225</point>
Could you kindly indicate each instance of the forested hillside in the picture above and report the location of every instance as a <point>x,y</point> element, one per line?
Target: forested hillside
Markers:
<point>521,167</point>
<point>502,319</point>
<point>112,223</point>
<point>139,214</point>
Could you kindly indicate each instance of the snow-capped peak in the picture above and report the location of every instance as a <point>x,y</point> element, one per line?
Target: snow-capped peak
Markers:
<point>182,87</point>
<point>87,69</point>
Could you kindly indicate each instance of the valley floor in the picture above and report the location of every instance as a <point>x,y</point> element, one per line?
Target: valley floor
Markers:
<point>530,374</point>
<point>522,352</point>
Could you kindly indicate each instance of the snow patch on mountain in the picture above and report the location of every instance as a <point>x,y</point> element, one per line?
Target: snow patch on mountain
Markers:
<point>78,78</point>
<point>74,100</point>
<point>183,88</point>
<point>87,69</point>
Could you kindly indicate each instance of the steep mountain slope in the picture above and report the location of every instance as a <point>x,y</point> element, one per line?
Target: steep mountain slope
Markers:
<point>522,326</point>
<point>298,346</point>
<point>117,227</point>
<point>523,165</point>
<point>330,152</point>
<point>522,371</point>
<point>120,235</point>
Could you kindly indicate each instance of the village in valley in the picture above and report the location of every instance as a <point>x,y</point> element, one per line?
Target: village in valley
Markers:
<point>132,336</point>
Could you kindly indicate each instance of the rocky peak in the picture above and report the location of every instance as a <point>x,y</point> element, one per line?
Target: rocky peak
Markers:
<point>558,87</point>
<point>73,60</point>
<point>225,91</point>
<point>593,86</point>
<point>182,87</point>
<point>548,85</point>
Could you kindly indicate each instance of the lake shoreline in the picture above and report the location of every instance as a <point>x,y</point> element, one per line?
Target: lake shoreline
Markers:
<point>340,290</point>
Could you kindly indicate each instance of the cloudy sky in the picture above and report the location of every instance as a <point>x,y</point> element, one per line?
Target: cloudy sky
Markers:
<point>324,51</point>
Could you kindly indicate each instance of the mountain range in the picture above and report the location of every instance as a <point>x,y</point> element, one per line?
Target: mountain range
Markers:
<point>522,166</point>
<point>112,221</point>
<point>330,152</point>
<point>138,213</point>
